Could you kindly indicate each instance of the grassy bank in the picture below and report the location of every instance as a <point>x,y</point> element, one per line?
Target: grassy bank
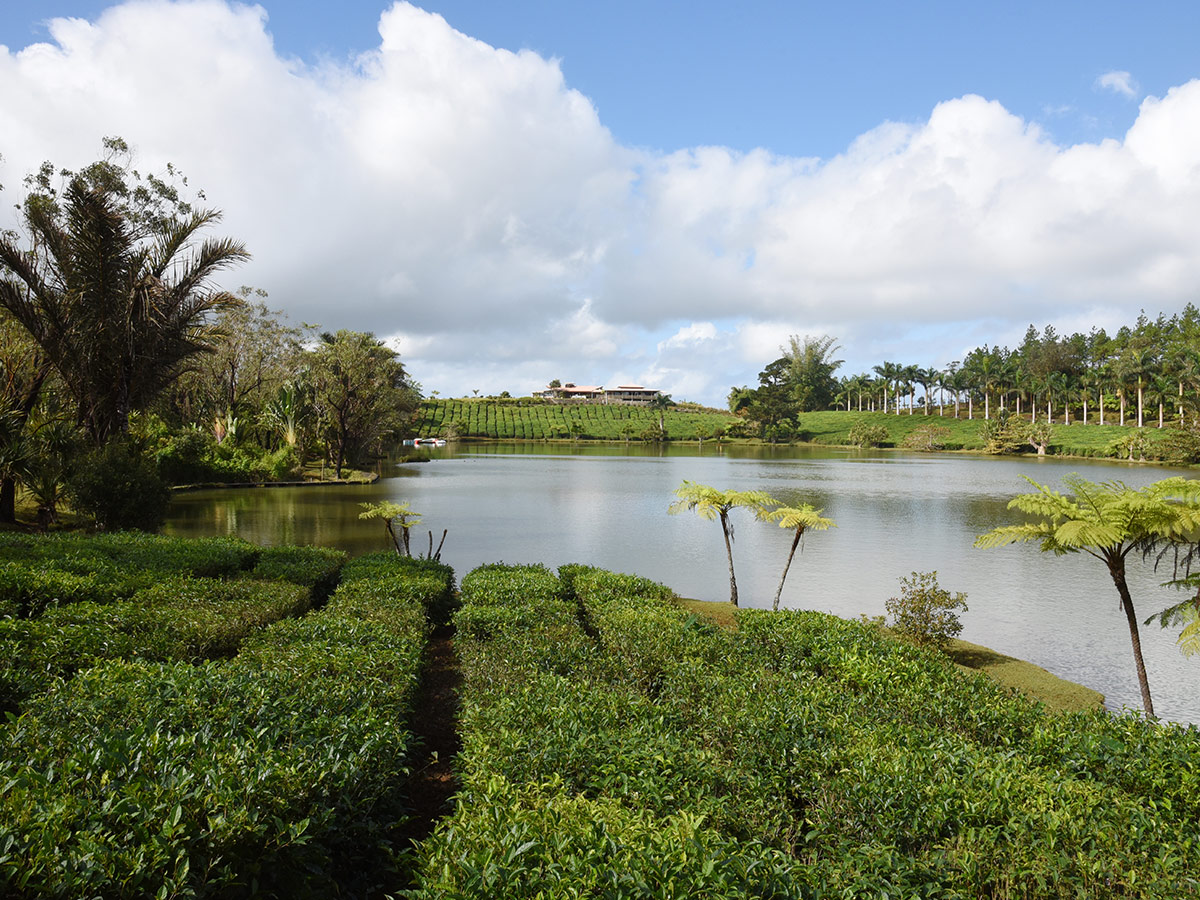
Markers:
<point>535,420</point>
<point>833,427</point>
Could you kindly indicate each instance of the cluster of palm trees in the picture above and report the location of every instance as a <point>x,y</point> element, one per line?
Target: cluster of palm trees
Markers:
<point>1147,374</point>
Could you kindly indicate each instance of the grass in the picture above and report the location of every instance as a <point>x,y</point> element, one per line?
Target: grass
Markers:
<point>833,427</point>
<point>1033,681</point>
<point>1055,693</point>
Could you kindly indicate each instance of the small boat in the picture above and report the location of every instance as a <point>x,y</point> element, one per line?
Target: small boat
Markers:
<point>429,442</point>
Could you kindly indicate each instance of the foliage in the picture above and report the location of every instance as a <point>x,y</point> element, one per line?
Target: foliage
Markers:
<point>863,434</point>
<point>624,749</point>
<point>1003,434</point>
<point>315,567</point>
<point>1107,521</point>
<point>394,515</point>
<point>715,504</point>
<point>1134,444</point>
<point>527,419</point>
<point>281,772</point>
<point>119,487</point>
<point>926,437</point>
<point>800,519</point>
<point>362,394</point>
<point>925,612</point>
<point>114,287</point>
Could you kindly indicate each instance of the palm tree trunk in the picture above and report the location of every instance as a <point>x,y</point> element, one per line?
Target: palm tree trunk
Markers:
<point>733,595</point>
<point>1116,568</point>
<point>787,565</point>
<point>1139,403</point>
<point>1101,407</point>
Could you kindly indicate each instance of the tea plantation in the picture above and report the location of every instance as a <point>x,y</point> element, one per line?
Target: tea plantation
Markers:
<point>529,420</point>
<point>213,719</point>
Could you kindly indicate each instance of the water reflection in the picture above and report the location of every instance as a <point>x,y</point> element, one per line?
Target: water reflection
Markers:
<point>896,513</point>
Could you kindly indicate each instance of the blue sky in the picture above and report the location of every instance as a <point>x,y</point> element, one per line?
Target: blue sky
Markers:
<point>796,78</point>
<point>649,186</point>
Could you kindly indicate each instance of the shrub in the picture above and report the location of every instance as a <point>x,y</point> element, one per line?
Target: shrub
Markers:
<point>279,773</point>
<point>926,437</point>
<point>283,464</point>
<point>863,434</point>
<point>185,457</point>
<point>120,488</point>
<point>924,612</point>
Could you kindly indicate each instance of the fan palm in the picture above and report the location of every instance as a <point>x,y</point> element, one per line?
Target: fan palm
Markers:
<point>712,503</point>
<point>801,518</point>
<point>1106,521</point>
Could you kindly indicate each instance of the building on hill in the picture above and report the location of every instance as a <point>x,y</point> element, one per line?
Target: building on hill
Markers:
<point>628,394</point>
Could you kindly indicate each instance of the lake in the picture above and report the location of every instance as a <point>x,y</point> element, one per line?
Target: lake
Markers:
<point>896,513</point>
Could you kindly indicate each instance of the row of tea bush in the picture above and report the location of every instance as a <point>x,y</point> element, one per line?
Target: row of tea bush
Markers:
<point>278,772</point>
<point>615,746</point>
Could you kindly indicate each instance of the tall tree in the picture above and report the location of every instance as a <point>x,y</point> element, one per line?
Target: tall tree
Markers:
<point>362,393</point>
<point>1107,521</point>
<point>714,504</point>
<point>114,288</point>
<point>810,371</point>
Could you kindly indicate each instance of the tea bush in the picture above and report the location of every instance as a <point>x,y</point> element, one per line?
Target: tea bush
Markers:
<point>278,773</point>
<point>318,568</point>
<point>819,754</point>
<point>216,557</point>
<point>179,619</point>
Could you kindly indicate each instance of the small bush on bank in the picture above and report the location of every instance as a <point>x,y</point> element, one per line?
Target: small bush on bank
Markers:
<point>926,613</point>
<point>864,434</point>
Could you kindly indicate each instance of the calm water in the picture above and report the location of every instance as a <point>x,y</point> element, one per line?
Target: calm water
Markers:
<point>896,513</point>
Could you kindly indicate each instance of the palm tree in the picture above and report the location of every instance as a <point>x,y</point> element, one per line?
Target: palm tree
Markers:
<point>1106,521</point>
<point>118,307</point>
<point>889,373</point>
<point>801,518</point>
<point>1134,365</point>
<point>909,376</point>
<point>927,378</point>
<point>659,403</point>
<point>711,503</point>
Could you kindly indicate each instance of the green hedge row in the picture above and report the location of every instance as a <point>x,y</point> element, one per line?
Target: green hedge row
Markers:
<point>570,783</point>
<point>178,619</point>
<point>799,756</point>
<point>439,603</point>
<point>279,773</point>
<point>37,571</point>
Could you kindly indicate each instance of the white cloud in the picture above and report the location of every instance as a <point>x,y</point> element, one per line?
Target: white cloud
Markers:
<point>1119,82</point>
<point>689,336</point>
<point>467,199</point>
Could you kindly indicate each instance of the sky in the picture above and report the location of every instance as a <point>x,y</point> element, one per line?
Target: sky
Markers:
<point>657,193</point>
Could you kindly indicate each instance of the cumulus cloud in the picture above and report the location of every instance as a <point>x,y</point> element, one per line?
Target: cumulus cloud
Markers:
<point>1119,82</point>
<point>469,203</point>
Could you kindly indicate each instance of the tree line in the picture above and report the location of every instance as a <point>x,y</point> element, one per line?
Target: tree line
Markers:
<point>124,366</point>
<point>1146,374</point>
